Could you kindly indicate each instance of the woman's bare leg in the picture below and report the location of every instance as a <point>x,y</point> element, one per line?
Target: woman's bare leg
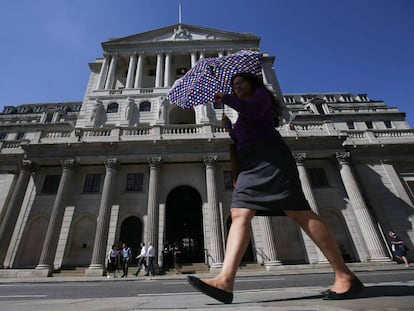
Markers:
<point>319,232</point>
<point>237,242</point>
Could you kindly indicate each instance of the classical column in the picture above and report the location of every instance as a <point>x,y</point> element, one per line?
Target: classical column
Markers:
<point>103,73</point>
<point>167,71</point>
<point>216,245</point>
<point>97,266</point>
<point>193,58</point>
<point>111,74</point>
<point>220,53</point>
<point>13,208</point>
<point>138,72</point>
<point>153,207</point>
<point>366,225</point>
<point>55,222</point>
<point>313,252</point>
<point>269,244</point>
<point>160,65</point>
<point>131,70</point>
<point>201,54</point>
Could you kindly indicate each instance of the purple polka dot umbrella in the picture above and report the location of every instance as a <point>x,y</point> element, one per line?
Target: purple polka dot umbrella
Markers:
<point>212,75</point>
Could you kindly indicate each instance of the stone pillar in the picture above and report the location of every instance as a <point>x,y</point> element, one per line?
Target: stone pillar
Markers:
<point>363,218</point>
<point>103,73</point>
<point>55,222</point>
<point>269,245</point>
<point>153,206</point>
<point>314,253</point>
<point>131,71</point>
<point>160,65</point>
<point>138,74</point>
<point>220,53</point>
<point>97,266</point>
<point>167,71</point>
<point>216,244</point>
<point>13,208</point>
<point>111,74</point>
<point>193,58</point>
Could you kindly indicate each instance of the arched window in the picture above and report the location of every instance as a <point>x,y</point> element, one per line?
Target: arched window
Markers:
<point>112,108</point>
<point>145,106</point>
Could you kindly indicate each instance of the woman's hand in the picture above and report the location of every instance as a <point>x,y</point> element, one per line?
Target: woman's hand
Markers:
<point>226,122</point>
<point>218,97</point>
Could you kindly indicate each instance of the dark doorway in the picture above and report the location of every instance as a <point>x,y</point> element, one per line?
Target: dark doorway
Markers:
<point>249,255</point>
<point>184,223</point>
<point>131,234</point>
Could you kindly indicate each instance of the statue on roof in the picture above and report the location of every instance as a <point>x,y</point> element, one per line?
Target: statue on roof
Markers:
<point>181,33</point>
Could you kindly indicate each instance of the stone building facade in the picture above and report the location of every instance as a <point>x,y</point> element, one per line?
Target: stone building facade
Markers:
<point>125,165</point>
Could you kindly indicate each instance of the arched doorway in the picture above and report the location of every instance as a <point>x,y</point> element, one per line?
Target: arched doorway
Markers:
<point>184,223</point>
<point>248,256</point>
<point>131,234</point>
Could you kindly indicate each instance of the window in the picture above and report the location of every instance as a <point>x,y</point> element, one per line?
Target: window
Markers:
<point>350,125</point>
<point>3,135</point>
<point>20,135</point>
<point>112,108</point>
<point>228,180</point>
<point>388,124</point>
<point>49,117</point>
<point>51,184</point>
<point>92,183</point>
<point>134,182</point>
<point>369,124</point>
<point>145,106</point>
<point>318,177</point>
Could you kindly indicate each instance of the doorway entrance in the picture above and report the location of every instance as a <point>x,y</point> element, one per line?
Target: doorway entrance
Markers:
<point>184,223</point>
<point>131,234</point>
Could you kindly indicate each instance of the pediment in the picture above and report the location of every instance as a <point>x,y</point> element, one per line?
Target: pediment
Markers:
<point>182,33</point>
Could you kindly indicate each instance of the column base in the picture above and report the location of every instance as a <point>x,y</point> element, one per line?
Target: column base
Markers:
<point>272,265</point>
<point>43,270</point>
<point>380,259</point>
<point>95,270</point>
<point>216,267</point>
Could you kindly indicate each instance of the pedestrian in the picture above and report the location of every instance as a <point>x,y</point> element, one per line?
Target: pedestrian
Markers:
<point>126,258</point>
<point>267,185</point>
<point>399,249</point>
<point>177,257</point>
<point>112,258</point>
<point>141,258</point>
<point>150,259</point>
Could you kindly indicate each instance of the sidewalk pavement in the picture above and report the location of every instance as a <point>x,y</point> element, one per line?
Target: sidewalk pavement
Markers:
<point>378,296</point>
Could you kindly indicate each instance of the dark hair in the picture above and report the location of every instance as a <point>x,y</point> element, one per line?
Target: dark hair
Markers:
<point>257,82</point>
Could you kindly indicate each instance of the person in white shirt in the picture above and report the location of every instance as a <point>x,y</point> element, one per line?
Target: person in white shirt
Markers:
<point>150,259</point>
<point>142,259</point>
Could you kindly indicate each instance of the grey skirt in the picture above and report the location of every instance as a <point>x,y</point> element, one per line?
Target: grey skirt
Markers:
<point>268,181</point>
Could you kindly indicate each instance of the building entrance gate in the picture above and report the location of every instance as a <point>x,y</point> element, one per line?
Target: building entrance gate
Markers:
<point>184,223</point>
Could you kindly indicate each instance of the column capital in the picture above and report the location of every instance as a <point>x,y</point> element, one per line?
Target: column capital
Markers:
<point>111,163</point>
<point>210,161</point>
<point>154,162</point>
<point>299,157</point>
<point>26,165</point>
<point>68,164</point>
<point>343,157</point>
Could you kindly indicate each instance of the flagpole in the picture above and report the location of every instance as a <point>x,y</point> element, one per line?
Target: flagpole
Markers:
<point>179,12</point>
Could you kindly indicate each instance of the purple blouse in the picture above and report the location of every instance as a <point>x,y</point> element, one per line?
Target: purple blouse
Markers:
<point>256,121</point>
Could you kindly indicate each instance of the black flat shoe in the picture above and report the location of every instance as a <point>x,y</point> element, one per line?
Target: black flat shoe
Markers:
<point>214,292</point>
<point>356,288</point>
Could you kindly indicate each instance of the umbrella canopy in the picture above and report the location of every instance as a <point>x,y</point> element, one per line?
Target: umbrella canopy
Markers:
<point>243,61</point>
<point>211,75</point>
<point>196,87</point>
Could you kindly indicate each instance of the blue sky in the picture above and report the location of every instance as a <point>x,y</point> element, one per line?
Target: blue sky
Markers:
<point>356,46</point>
